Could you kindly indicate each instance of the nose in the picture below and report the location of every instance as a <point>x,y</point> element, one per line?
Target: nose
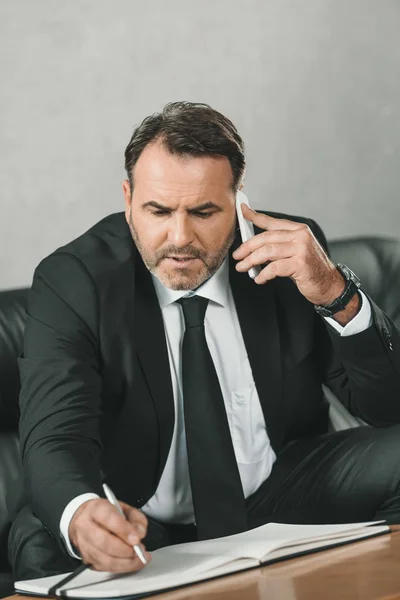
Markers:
<point>180,233</point>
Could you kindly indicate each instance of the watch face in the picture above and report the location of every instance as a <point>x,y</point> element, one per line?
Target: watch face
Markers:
<point>349,274</point>
<point>355,279</point>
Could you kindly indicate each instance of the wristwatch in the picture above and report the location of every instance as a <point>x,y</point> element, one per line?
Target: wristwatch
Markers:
<point>353,284</point>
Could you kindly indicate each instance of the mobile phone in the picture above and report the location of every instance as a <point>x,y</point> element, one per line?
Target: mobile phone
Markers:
<point>246,228</point>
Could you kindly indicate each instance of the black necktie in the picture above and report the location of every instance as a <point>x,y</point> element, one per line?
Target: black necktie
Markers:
<point>218,499</point>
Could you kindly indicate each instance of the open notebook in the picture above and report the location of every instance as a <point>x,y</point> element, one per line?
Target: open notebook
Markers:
<point>179,565</point>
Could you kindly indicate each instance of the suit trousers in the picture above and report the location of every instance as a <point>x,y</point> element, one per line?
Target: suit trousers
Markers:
<point>345,476</point>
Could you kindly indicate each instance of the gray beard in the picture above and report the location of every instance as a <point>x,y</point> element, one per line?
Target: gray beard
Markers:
<point>194,282</point>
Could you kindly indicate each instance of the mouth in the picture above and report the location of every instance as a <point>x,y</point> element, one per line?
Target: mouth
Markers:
<point>181,261</point>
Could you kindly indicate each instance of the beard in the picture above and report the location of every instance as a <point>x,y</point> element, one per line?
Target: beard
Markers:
<point>185,278</point>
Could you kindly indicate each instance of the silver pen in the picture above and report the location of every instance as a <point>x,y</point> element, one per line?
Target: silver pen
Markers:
<point>112,499</point>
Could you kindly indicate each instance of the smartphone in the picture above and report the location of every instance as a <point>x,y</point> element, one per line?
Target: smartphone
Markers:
<point>246,228</point>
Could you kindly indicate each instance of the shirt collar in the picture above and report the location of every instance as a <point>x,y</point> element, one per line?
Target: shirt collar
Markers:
<point>215,288</point>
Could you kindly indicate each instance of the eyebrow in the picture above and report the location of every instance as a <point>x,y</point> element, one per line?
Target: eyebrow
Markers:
<point>200,207</point>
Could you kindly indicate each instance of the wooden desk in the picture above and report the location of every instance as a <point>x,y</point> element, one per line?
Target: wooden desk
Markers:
<point>363,570</point>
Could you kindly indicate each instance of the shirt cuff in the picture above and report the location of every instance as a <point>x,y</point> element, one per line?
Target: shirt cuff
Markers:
<point>359,323</point>
<point>67,515</point>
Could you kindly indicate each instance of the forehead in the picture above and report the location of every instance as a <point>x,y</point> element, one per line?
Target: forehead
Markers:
<point>156,167</point>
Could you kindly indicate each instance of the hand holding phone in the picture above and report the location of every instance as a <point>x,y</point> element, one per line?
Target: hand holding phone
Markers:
<point>246,228</point>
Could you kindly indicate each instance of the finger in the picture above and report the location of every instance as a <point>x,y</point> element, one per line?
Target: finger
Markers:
<point>101,561</point>
<point>267,222</point>
<point>278,268</point>
<point>98,537</point>
<point>266,237</point>
<point>109,518</point>
<point>266,253</point>
<point>136,517</point>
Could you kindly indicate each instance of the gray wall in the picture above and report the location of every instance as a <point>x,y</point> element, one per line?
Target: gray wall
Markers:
<point>313,87</point>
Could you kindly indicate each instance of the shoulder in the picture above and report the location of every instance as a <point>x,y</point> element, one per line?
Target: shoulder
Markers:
<point>100,249</point>
<point>109,238</point>
<point>79,274</point>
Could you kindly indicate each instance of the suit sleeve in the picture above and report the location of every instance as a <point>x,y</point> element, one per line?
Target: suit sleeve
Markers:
<point>60,396</point>
<point>362,370</point>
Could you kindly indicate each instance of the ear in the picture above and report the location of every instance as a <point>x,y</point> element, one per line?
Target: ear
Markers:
<point>128,199</point>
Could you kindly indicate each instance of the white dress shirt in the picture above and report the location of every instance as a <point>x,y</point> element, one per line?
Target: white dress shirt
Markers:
<point>172,500</point>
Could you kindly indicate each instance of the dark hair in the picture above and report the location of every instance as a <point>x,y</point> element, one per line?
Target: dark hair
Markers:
<point>191,129</point>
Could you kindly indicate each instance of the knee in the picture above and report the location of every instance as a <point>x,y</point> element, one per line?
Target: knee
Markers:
<point>385,455</point>
<point>389,438</point>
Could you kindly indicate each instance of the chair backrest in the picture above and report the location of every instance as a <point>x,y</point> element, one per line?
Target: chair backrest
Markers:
<point>11,488</point>
<point>376,261</point>
<point>13,305</point>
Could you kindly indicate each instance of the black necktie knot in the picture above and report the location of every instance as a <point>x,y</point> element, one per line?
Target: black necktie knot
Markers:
<point>194,310</point>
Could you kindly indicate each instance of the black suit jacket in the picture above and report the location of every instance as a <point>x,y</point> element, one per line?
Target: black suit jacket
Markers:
<point>96,393</point>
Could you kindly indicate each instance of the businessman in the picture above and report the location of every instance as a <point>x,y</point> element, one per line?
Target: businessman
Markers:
<point>154,362</point>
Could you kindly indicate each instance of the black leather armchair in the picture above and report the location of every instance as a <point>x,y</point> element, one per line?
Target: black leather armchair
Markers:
<point>376,260</point>
<point>13,305</point>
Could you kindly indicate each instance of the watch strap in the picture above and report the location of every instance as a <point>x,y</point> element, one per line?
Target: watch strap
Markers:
<point>351,288</point>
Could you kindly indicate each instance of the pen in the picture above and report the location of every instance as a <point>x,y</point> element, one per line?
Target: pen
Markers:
<point>112,499</point>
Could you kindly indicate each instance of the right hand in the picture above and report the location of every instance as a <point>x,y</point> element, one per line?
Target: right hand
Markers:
<point>105,539</point>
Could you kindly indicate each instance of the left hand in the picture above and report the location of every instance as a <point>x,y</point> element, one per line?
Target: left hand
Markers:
<point>291,250</point>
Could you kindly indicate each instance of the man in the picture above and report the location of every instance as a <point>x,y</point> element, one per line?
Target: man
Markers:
<point>152,361</point>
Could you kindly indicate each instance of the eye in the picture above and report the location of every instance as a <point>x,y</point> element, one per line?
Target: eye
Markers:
<point>203,215</point>
<point>159,212</point>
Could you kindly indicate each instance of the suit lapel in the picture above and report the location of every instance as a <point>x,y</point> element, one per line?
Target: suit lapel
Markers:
<point>152,354</point>
<point>257,313</point>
